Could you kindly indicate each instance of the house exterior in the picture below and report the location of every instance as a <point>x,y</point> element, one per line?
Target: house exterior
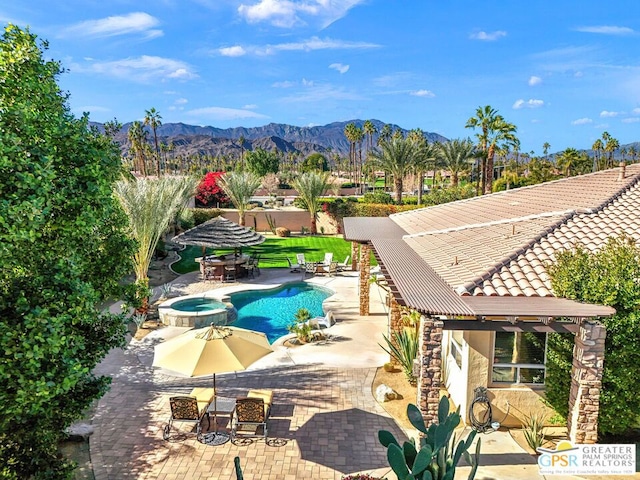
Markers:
<point>476,270</point>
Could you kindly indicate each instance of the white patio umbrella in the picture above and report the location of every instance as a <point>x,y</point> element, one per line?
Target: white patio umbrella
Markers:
<point>211,350</point>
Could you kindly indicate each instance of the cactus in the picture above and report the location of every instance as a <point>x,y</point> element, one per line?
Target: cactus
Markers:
<point>440,449</point>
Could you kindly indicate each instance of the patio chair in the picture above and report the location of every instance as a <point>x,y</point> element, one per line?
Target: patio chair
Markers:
<point>342,266</point>
<point>186,409</point>
<point>229,273</point>
<point>300,259</point>
<point>318,323</point>
<point>293,267</point>
<point>328,258</point>
<point>251,415</point>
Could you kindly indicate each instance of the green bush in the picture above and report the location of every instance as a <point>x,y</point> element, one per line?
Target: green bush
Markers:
<point>607,277</point>
<point>201,215</point>
<point>185,219</point>
<point>377,197</point>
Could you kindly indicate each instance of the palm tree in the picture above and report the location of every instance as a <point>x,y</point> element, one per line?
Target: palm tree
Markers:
<point>545,148</point>
<point>385,134</point>
<point>457,156</point>
<point>138,139</point>
<point>597,148</point>
<point>350,134</point>
<point>572,161</point>
<point>154,120</point>
<point>494,132</point>
<point>633,153</point>
<point>358,136</point>
<point>369,130</point>
<point>310,187</point>
<point>239,187</point>
<point>151,205</point>
<point>396,157</point>
<point>241,141</point>
<point>425,157</point>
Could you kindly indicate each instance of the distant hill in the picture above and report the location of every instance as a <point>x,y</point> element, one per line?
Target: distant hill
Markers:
<point>192,139</point>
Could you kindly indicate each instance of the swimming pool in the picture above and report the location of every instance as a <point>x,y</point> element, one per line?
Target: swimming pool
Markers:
<point>272,311</point>
<point>198,304</point>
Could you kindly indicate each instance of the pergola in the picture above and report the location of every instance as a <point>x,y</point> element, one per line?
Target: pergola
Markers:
<point>432,265</point>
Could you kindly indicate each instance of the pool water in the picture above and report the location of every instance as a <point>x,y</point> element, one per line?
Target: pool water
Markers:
<point>197,305</point>
<point>272,311</point>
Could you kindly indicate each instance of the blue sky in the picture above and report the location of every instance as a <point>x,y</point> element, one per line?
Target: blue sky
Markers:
<point>562,71</point>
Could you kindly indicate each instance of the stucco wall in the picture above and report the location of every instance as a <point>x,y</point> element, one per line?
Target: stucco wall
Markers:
<point>522,400</point>
<point>291,219</point>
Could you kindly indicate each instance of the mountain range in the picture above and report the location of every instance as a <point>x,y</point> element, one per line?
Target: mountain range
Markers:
<point>190,140</point>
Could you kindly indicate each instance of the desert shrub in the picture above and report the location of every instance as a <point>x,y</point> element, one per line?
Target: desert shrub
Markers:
<point>283,232</point>
<point>404,349</point>
<point>201,215</point>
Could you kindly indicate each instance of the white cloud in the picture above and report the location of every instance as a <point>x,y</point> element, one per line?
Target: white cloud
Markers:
<point>144,69</point>
<point>340,67</point>
<point>488,36</point>
<point>631,120</point>
<point>607,30</point>
<point>321,93</point>
<point>582,121</point>
<point>307,83</point>
<point>251,106</point>
<point>533,81</point>
<point>531,103</point>
<point>423,93</point>
<point>235,51</point>
<point>181,101</point>
<point>635,111</point>
<point>288,13</point>
<point>308,45</point>
<point>607,114</point>
<point>222,113</point>
<point>283,84</point>
<point>132,23</point>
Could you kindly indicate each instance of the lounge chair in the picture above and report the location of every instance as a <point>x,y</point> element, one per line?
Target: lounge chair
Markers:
<point>300,259</point>
<point>328,258</point>
<point>318,323</point>
<point>343,265</point>
<point>294,267</point>
<point>186,409</point>
<point>251,415</point>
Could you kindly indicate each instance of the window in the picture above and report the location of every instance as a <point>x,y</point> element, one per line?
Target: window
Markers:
<point>457,337</point>
<point>519,357</point>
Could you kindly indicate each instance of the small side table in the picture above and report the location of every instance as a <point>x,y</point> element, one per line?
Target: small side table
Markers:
<point>220,406</point>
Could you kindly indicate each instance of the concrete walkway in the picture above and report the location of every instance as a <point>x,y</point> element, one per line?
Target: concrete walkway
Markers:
<point>324,420</point>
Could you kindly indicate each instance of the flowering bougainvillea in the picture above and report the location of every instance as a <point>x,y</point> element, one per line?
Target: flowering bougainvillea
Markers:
<point>209,193</point>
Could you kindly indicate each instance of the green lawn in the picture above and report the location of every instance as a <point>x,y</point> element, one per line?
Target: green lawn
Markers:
<point>275,250</point>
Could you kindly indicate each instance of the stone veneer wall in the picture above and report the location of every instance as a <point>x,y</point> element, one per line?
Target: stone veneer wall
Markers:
<point>430,379</point>
<point>365,268</point>
<point>586,382</point>
<point>354,256</point>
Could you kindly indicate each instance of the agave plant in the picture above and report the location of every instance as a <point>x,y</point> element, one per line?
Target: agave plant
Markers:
<point>404,349</point>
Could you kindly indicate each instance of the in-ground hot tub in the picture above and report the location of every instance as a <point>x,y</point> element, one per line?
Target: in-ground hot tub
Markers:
<point>196,311</point>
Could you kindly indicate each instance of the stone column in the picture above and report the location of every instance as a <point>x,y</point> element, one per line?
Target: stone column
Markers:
<point>430,378</point>
<point>586,382</point>
<point>354,256</point>
<point>365,269</point>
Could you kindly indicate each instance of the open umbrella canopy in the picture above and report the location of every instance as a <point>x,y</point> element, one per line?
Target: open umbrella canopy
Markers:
<point>211,350</point>
<point>219,233</point>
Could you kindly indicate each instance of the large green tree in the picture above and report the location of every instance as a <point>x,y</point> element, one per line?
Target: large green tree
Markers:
<point>316,162</point>
<point>311,186</point>
<point>397,158</point>
<point>607,277</point>
<point>573,162</point>
<point>63,251</point>
<point>261,162</point>
<point>456,156</point>
<point>239,187</point>
<point>494,133</point>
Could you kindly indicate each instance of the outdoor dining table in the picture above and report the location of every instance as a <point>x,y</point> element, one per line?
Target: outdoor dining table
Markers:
<point>219,263</point>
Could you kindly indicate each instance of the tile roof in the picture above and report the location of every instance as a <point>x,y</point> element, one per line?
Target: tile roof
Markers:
<point>499,245</point>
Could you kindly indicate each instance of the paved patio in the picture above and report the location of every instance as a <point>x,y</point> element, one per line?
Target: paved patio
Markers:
<point>324,413</point>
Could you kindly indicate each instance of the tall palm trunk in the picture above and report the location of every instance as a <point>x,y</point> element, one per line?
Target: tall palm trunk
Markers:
<point>397,181</point>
